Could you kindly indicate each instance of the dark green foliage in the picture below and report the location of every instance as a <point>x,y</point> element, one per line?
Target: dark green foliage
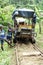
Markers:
<point>4,3</point>
<point>6,14</point>
<point>4,23</point>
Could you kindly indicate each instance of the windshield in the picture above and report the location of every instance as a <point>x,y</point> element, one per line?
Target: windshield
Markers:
<point>23,21</point>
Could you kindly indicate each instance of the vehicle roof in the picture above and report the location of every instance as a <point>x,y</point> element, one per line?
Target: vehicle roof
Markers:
<point>27,13</point>
<point>24,9</point>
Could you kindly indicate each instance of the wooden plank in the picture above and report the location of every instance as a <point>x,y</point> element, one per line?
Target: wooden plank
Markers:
<point>31,53</point>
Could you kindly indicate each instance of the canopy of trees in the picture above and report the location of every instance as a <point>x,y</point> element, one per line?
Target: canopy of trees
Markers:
<point>7,7</point>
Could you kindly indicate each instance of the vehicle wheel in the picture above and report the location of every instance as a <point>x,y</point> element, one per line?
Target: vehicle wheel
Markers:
<point>14,40</point>
<point>33,41</point>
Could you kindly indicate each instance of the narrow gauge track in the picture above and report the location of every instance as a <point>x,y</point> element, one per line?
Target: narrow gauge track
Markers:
<point>37,48</point>
<point>23,54</point>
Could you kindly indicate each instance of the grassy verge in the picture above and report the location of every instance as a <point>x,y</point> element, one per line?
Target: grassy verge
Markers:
<point>39,36</point>
<point>5,56</point>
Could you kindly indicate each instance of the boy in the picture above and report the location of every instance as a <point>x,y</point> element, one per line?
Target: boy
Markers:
<point>2,35</point>
<point>9,34</point>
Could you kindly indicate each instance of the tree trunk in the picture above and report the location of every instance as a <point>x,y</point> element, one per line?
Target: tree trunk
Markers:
<point>39,28</point>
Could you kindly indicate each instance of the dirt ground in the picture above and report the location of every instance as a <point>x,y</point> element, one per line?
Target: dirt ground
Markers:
<point>26,60</point>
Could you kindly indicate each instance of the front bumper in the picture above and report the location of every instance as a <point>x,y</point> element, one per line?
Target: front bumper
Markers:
<point>26,35</point>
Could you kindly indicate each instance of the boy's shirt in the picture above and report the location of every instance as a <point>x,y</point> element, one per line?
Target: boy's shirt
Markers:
<point>9,32</point>
<point>2,34</point>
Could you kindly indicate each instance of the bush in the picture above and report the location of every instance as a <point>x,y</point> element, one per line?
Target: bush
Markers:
<point>6,15</point>
<point>4,23</point>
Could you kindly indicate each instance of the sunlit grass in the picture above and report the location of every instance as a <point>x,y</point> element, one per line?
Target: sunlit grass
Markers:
<point>5,56</point>
<point>39,36</point>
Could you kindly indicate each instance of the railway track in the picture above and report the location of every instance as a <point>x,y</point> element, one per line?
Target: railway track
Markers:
<point>38,48</point>
<point>28,54</point>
